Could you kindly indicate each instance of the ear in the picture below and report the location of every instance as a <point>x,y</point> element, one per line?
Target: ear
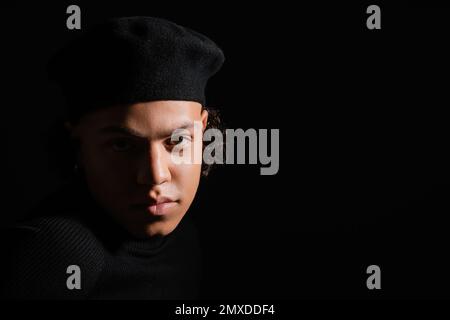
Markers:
<point>68,127</point>
<point>204,117</point>
<point>71,129</point>
<point>74,137</point>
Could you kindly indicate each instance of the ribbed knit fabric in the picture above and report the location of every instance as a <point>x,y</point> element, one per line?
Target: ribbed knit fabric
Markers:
<point>69,229</point>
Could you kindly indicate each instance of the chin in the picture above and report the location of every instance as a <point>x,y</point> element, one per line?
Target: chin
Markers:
<point>160,228</point>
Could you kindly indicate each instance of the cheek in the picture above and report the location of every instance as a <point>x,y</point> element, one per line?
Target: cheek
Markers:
<point>106,177</point>
<point>187,178</point>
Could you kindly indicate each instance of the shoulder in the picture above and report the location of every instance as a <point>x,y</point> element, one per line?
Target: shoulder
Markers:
<point>40,253</point>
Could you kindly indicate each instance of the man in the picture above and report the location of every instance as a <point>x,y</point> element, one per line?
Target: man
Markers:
<point>118,230</point>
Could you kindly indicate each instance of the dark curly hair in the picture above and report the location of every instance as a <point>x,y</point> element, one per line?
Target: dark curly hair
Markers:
<point>62,149</point>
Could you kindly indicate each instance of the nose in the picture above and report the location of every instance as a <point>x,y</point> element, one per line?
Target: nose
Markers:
<point>154,169</point>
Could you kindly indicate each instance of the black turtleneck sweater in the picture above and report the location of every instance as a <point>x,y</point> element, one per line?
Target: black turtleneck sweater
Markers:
<point>70,229</point>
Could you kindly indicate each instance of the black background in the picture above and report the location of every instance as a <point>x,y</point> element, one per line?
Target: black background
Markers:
<point>362,115</point>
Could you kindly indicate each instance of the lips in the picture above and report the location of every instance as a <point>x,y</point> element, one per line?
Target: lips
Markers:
<point>158,207</point>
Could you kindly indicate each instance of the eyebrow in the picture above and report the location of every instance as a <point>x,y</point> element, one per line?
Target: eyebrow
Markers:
<point>120,129</point>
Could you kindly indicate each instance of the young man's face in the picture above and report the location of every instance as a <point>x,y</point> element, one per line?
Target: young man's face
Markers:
<point>125,152</point>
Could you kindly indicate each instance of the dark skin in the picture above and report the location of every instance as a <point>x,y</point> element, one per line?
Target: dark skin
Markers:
<point>125,152</point>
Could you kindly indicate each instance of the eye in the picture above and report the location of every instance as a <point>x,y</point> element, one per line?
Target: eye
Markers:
<point>121,145</point>
<point>179,140</point>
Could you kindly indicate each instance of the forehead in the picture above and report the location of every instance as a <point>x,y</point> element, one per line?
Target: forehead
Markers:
<point>146,117</point>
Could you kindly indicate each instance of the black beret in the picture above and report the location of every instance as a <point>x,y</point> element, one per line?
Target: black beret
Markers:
<point>134,59</point>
